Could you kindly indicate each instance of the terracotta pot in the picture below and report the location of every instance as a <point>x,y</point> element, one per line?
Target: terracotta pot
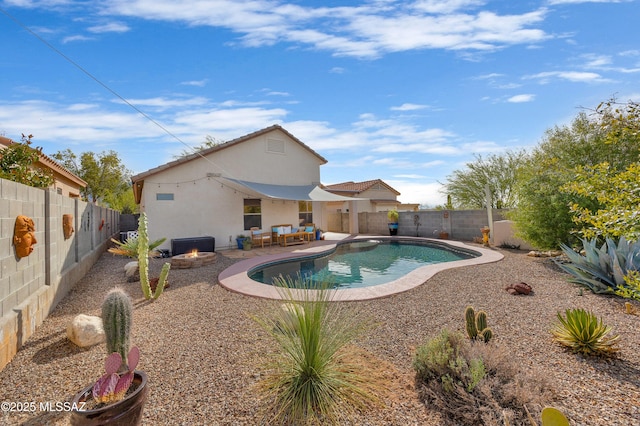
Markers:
<point>444,235</point>
<point>121,413</point>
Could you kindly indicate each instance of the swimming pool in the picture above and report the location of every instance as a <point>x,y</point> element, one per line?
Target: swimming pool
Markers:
<point>235,278</point>
<point>361,263</point>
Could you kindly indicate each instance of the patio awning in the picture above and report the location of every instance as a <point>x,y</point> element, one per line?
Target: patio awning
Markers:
<point>291,192</point>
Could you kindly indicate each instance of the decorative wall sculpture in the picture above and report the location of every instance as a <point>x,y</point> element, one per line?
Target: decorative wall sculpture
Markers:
<point>24,236</point>
<point>67,225</point>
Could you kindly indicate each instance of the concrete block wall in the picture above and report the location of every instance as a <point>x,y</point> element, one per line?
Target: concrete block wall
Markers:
<point>463,225</point>
<point>32,286</point>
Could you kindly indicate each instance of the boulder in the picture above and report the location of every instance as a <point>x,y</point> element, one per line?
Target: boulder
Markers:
<point>131,271</point>
<point>85,330</point>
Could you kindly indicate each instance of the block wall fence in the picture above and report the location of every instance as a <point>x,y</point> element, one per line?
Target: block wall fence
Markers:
<point>462,225</point>
<point>30,287</point>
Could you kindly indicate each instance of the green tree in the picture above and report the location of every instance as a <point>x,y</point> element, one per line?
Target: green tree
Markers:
<point>467,187</point>
<point>209,142</point>
<point>618,198</point>
<point>18,163</point>
<point>616,190</point>
<point>108,180</point>
<point>544,216</point>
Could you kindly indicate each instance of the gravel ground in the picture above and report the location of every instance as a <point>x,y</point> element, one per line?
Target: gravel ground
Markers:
<point>203,352</point>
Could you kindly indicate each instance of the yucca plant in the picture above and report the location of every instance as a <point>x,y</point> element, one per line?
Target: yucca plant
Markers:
<point>582,332</point>
<point>602,270</point>
<point>312,379</point>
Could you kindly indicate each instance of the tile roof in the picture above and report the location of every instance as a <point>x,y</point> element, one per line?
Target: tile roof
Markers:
<point>357,187</point>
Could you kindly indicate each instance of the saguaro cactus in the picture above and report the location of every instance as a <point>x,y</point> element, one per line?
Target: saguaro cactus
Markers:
<point>117,316</point>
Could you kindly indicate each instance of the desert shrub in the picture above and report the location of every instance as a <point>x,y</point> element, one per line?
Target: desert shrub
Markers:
<point>475,383</point>
<point>582,332</point>
<point>312,378</point>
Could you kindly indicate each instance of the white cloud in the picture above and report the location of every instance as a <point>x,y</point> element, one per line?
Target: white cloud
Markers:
<point>197,83</point>
<point>573,76</point>
<point>75,38</point>
<point>521,98</point>
<point>555,2</point>
<point>367,31</point>
<point>113,27</point>
<point>408,107</point>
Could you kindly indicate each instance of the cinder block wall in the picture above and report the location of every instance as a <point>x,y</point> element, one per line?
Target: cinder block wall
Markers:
<point>32,286</point>
<point>463,225</point>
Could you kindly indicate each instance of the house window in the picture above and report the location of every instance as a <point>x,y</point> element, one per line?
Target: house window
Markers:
<point>164,196</point>
<point>252,213</point>
<point>305,212</point>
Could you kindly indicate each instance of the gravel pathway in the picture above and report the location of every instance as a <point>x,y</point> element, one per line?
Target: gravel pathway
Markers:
<point>203,352</point>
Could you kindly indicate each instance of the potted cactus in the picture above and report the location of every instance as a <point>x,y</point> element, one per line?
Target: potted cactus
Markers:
<point>119,395</point>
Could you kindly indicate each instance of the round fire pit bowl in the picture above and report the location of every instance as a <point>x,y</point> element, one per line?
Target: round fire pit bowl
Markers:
<point>192,260</point>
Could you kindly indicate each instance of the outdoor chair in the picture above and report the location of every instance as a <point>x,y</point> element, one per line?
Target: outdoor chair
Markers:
<point>260,238</point>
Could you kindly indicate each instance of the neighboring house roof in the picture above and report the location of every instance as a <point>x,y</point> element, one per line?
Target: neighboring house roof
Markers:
<point>49,163</point>
<point>138,179</point>
<point>356,188</point>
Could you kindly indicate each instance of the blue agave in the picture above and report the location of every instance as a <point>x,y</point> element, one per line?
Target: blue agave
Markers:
<point>602,270</point>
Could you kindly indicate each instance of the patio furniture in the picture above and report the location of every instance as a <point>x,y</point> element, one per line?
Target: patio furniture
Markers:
<point>260,238</point>
<point>310,231</point>
<point>287,235</point>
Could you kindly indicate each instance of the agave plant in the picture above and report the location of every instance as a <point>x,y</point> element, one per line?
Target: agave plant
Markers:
<point>129,248</point>
<point>602,270</point>
<point>583,332</point>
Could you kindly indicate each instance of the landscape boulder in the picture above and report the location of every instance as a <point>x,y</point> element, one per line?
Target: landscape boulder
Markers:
<point>85,330</point>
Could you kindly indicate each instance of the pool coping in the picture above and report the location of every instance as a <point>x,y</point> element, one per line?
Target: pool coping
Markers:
<point>235,277</point>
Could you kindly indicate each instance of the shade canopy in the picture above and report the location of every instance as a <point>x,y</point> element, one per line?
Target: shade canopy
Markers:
<point>292,192</point>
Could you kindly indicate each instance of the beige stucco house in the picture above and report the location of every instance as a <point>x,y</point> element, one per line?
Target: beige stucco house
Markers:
<point>262,179</point>
<point>65,182</point>
<point>373,196</point>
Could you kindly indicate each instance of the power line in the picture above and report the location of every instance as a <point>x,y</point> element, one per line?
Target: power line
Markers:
<point>109,89</point>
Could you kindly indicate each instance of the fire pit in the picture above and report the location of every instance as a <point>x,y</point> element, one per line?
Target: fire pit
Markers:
<point>195,259</point>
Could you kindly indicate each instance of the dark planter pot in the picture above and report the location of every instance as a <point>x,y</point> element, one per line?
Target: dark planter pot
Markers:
<point>393,229</point>
<point>239,242</point>
<point>122,413</point>
<point>444,236</point>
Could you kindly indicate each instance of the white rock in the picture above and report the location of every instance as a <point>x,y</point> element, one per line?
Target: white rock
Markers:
<point>85,330</point>
<point>131,268</point>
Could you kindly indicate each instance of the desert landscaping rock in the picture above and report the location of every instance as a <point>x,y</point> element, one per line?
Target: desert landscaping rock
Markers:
<point>204,353</point>
<point>85,330</point>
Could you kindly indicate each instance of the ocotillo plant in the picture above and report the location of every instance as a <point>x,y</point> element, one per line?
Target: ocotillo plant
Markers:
<point>143,262</point>
<point>476,325</point>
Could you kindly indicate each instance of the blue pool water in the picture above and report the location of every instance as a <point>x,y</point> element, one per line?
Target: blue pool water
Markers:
<point>362,263</point>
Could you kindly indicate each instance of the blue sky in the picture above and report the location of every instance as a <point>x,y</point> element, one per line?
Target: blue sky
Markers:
<point>404,91</point>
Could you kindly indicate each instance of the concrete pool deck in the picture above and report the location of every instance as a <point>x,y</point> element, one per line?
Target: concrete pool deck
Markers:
<point>235,277</point>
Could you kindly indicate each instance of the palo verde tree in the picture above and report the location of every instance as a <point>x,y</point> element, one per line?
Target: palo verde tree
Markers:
<point>467,187</point>
<point>18,163</point>
<point>544,215</point>
<point>108,180</point>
